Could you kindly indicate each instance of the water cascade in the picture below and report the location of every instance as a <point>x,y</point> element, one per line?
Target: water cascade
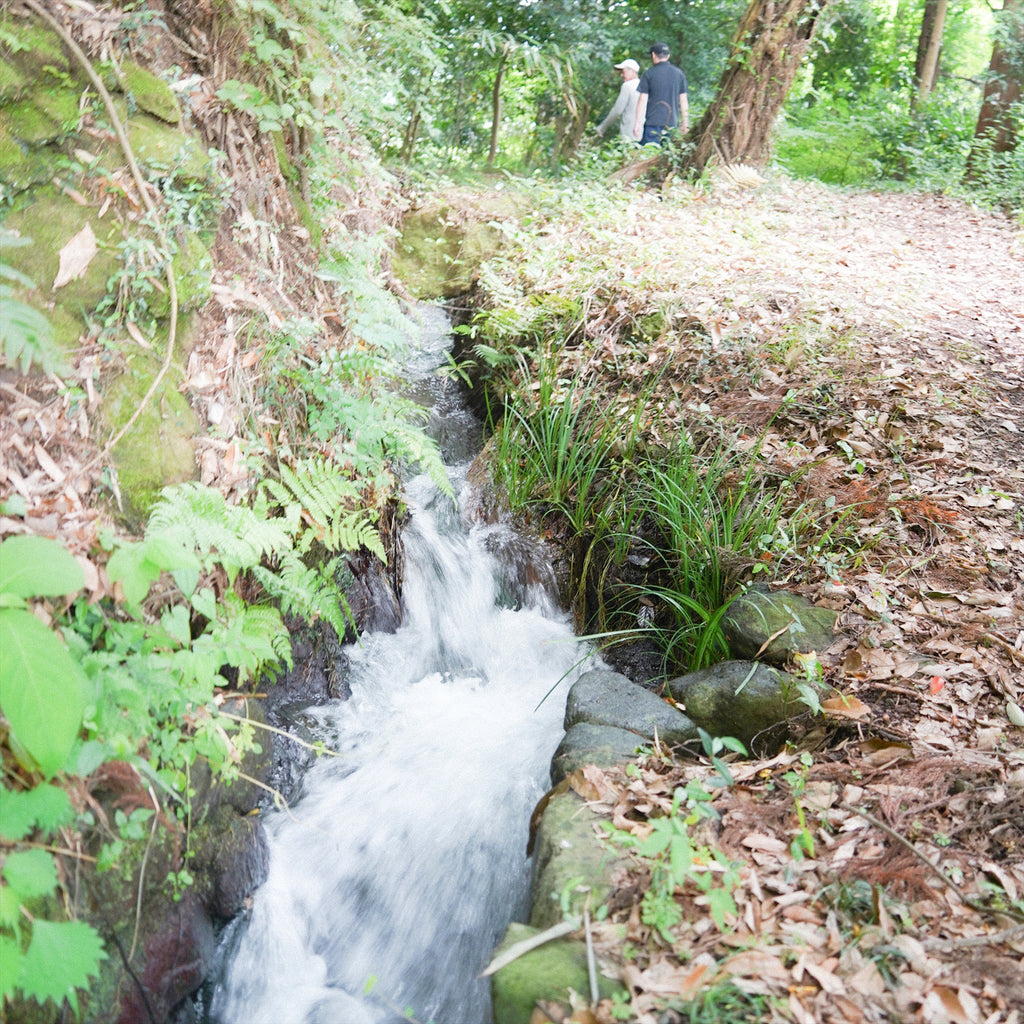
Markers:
<point>398,869</point>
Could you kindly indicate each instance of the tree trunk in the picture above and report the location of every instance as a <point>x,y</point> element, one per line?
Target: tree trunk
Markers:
<point>499,77</point>
<point>767,50</point>
<point>996,131</point>
<point>929,46</point>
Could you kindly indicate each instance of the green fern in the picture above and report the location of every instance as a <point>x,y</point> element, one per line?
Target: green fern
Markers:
<point>198,519</point>
<point>323,496</point>
<point>309,593</point>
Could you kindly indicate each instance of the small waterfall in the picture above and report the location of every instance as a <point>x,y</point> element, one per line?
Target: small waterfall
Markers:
<point>397,871</point>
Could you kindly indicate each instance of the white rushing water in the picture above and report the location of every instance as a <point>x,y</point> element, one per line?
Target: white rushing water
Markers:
<point>397,871</point>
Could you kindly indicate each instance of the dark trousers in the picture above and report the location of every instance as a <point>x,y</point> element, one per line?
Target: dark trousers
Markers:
<point>655,133</point>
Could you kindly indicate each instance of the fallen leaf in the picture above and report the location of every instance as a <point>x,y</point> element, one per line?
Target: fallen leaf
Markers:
<point>845,707</point>
<point>75,257</point>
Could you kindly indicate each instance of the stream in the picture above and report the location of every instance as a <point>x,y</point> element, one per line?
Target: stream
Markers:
<point>398,869</point>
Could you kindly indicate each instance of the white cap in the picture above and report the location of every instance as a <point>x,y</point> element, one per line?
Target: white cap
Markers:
<point>628,63</point>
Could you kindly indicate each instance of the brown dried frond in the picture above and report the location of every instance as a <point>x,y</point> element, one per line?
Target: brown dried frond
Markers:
<point>899,874</point>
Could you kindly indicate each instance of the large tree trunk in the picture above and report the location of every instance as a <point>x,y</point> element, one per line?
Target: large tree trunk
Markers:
<point>769,45</point>
<point>929,46</point>
<point>996,131</point>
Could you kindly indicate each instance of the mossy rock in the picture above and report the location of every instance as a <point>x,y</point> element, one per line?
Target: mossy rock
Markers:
<point>168,149</point>
<point>571,861</point>
<point>773,625</point>
<point>742,699</point>
<point>51,219</point>
<point>193,266</point>
<point>12,80</point>
<point>158,449</point>
<point>601,697</point>
<point>42,116</point>
<point>38,47</point>
<point>21,167</point>
<point>150,93</point>
<point>601,745</point>
<point>442,245</point>
<point>546,973</point>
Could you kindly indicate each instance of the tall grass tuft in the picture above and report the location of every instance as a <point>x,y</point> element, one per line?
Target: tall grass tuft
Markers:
<point>707,515</point>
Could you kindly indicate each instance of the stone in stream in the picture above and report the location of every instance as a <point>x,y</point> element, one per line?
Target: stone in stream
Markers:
<point>603,745</point>
<point>545,973</point>
<point>600,697</point>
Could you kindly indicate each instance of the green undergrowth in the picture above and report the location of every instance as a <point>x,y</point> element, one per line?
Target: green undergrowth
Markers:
<point>663,534</point>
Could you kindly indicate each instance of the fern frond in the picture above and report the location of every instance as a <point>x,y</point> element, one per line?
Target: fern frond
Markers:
<point>198,518</point>
<point>329,503</point>
<point>308,593</point>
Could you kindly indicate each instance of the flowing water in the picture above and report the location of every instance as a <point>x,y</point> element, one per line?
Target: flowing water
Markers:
<point>397,871</point>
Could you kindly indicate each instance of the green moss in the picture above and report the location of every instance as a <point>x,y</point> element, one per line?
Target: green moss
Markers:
<point>38,46</point>
<point>283,160</point>
<point>306,217</point>
<point>12,81</point>
<point>157,451</point>
<point>546,973</point>
<point>51,219</point>
<point>168,149</point>
<point>570,859</point>
<point>44,115</point>
<point>151,94</point>
<point>442,246</point>
<point>193,266</point>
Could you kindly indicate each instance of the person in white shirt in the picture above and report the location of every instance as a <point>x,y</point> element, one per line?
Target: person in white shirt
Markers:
<point>625,104</point>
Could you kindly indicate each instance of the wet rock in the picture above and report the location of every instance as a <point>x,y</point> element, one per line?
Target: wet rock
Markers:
<point>178,956</point>
<point>546,973</point>
<point>443,243</point>
<point>601,697</point>
<point>571,862</point>
<point>603,745</point>
<point>742,699</point>
<point>791,621</point>
<point>231,861</point>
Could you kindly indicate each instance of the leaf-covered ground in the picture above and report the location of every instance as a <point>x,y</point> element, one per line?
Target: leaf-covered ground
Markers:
<point>875,343</point>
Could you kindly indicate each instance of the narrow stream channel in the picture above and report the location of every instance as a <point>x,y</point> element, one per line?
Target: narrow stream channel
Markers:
<point>397,871</point>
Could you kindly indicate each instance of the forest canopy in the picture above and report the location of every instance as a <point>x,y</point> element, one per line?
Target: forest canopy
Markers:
<point>520,87</point>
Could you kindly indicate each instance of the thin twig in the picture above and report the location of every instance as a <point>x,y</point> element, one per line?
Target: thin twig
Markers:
<point>316,748</point>
<point>774,636</point>
<point>142,872</point>
<point>595,992</point>
<point>518,949</point>
<point>973,941</point>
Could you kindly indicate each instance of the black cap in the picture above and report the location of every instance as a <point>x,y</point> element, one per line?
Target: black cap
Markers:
<point>660,49</point>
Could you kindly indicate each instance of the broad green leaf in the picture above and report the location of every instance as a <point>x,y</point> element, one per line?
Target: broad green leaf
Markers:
<point>10,966</point>
<point>38,567</point>
<point>130,567</point>
<point>61,956</point>
<point>176,621</point>
<point>10,906</point>
<point>657,842</point>
<point>169,553</point>
<point>41,688</point>
<point>30,873</point>
<point>21,811</point>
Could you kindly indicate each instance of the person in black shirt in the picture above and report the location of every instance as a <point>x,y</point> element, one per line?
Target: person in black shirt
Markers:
<point>662,105</point>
